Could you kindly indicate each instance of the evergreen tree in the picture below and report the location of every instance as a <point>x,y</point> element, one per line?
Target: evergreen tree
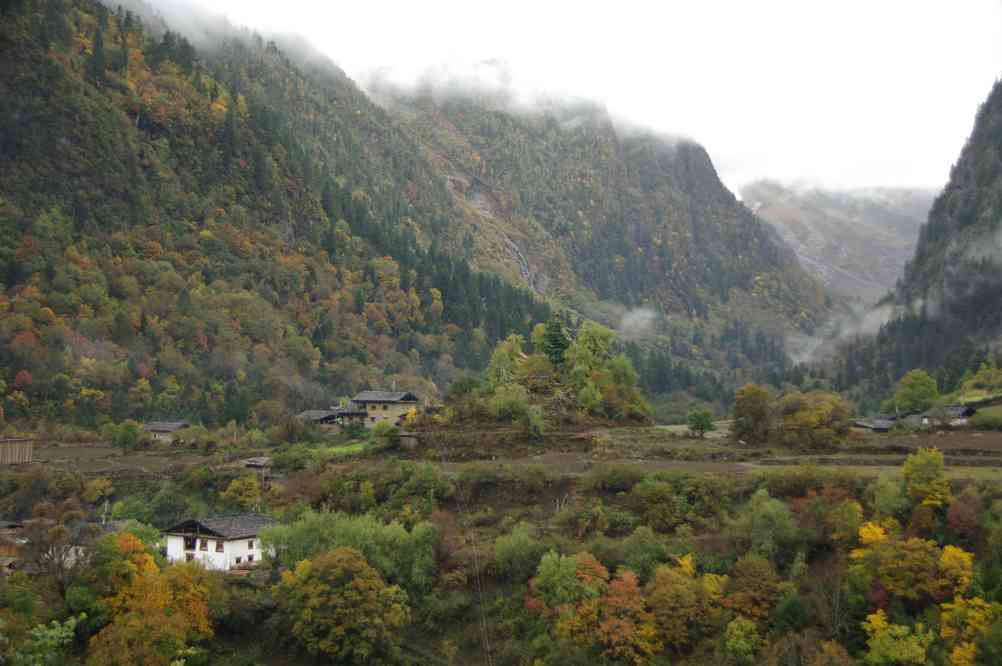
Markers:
<point>96,64</point>
<point>555,341</point>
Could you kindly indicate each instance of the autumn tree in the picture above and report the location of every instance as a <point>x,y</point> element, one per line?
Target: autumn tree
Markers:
<point>894,644</point>
<point>815,419</point>
<point>338,606</point>
<point>244,492</point>
<point>752,415</point>
<point>154,615</point>
<point>617,623</point>
<point>686,607</point>
<point>925,478</point>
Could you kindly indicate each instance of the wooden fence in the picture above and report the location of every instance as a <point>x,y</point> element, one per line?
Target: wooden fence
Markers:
<point>16,451</point>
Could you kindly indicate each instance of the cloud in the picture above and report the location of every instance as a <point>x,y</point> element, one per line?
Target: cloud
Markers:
<point>770,88</point>
<point>638,323</point>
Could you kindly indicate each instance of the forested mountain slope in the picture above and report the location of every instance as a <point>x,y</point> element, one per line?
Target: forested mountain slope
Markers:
<point>592,210</point>
<point>855,241</point>
<point>236,230</point>
<point>949,301</point>
<point>217,235</point>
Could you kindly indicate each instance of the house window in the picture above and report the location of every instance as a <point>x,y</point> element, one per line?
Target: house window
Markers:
<point>239,560</point>
<point>373,419</point>
<point>250,558</point>
<point>204,544</point>
<point>189,543</point>
<point>219,546</point>
<point>385,407</point>
<point>250,544</point>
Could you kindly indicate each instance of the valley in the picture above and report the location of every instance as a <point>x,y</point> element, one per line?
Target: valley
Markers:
<point>298,371</point>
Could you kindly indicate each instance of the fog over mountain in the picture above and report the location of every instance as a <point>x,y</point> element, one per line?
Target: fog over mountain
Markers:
<point>856,242</point>
<point>777,89</point>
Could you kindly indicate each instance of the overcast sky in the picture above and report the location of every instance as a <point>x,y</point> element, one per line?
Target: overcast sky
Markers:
<point>845,94</point>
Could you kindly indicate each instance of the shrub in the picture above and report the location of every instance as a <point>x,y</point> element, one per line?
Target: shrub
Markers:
<point>613,478</point>
<point>517,554</point>
<point>510,402</point>
<point>657,505</point>
<point>583,520</point>
<point>643,551</point>
<point>988,419</point>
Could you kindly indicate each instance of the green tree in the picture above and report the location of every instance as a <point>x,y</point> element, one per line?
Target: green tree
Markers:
<point>765,525</point>
<point>555,341</point>
<point>752,415</point>
<point>47,644</point>
<point>701,422</point>
<point>337,605</point>
<point>517,554</point>
<point>505,361</point>
<point>97,63</point>
<point>742,642</point>
<point>915,392</point>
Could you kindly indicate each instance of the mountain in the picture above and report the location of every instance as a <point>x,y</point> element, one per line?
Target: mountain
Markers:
<point>948,305</point>
<point>228,228</point>
<point>221,235</point>
<point>855,241</point>
<point>584,209</point>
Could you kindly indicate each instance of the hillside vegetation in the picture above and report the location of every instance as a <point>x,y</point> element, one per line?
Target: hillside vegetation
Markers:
<point>236,231</point>
<point>225,237</point>
<point>947,305</point>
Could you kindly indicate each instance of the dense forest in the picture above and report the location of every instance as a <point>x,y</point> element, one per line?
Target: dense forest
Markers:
<point>209,237</point>
<point>235,231</point>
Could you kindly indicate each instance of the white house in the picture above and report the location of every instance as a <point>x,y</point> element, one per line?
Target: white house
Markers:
<point>221,543</point>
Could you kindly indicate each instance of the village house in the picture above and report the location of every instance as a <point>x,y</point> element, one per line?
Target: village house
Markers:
<point>165,431</point>
<point>388,406</point>
<point>333,418</point>
<point>220,544</point>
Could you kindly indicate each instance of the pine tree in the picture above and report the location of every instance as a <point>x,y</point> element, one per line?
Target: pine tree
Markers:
<point>96,64</point>
<point>555,341</point>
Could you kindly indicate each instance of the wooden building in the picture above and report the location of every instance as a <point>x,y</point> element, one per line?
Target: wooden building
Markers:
<point>16,451</point>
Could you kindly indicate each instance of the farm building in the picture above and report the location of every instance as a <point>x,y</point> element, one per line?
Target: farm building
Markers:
<point>221,543</point>
<point>16,451</point>
<point>336,417</point>
<point>379,406</point>
<point>165,431</point>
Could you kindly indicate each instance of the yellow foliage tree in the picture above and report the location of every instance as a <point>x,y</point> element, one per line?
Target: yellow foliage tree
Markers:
<point>155,615</point>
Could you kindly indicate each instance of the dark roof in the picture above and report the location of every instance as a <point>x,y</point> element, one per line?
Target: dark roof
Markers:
<point>960,411</point>
<point>385,396</point>
<point>315,415</point>
<point>347,411</point>
<point>227,527</point>
<point>877,424</point>
<point>164,426</point>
